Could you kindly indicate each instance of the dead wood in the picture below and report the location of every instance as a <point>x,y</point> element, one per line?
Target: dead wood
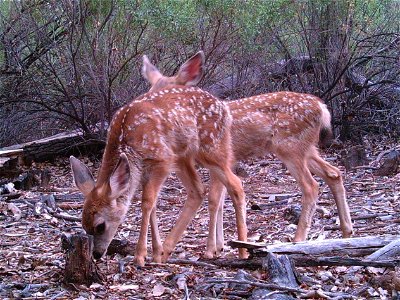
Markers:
<point>197,263</point>
<point>390,251</point>
<point>264,206</point>
<point>390,164</point>
<point>66,217</point>
<point>79,265</point>
<point>298,260</point>
<point>329,247</point>
<point>62,146</point>
<point>280,270</point>
<point>70,205</point>
<point>9,167</point>
<point>275,287</point>
<point>310,261</point>
<point>76,197</point>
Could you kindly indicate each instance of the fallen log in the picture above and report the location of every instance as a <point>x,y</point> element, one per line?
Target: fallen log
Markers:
<point>390,164</point>
<point>79,265</point>
<point>332,247</point>
<point>388,252</point>
<point>64,145</point>
<point>309,261</point>
<point>298,260</point>
<point>391,250</point>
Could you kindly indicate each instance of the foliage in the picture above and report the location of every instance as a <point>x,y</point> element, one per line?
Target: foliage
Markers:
<point>70,64</point>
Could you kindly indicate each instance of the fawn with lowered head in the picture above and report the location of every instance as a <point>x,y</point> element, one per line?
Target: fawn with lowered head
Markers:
<point>158,132</point>
<point>288,125</point>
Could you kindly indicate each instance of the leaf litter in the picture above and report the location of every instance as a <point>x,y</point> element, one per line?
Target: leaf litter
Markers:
<point>31,260</point>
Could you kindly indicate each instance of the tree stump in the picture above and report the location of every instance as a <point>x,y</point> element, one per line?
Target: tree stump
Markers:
<point>79,265</point>
<point>280,270</point>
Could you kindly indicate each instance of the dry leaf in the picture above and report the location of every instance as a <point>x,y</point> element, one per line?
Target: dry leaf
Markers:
<point>158,290</point>
<point>124,287</point>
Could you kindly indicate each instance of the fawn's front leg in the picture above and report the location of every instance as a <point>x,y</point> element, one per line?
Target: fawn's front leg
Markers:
<point>194,188</point>
<point>153,181</point>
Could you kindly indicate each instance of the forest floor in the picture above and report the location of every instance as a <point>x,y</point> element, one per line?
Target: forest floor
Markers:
<point>31,259</point>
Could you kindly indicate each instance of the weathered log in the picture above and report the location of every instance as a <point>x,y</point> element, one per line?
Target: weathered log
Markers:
<point>329,247</point>
<point>79,265</point>
<point>390,164</point>
<point>9,167</point>
<point>280,270</point>
<point>390,251</point>
<point>47,150</point>
<point>310,261</point>
<point>298,260</point>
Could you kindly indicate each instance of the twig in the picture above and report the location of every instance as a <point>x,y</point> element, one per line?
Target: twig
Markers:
<point>191,262</point>
<point>272,286</point>
<point>66,217</point>
<point>382,154</point>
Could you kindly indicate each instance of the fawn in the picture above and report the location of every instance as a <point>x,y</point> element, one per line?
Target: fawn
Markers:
<point>288,125</point>
<point>156,133</point>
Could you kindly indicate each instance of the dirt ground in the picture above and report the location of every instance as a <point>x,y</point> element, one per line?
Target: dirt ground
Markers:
<point>31,260</point>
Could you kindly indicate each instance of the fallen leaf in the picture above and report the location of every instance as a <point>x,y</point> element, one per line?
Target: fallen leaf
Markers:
<point>124,287</point>
<point>158,290</point>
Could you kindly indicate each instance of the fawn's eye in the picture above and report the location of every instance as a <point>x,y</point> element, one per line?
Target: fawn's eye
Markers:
<point>100,228</point>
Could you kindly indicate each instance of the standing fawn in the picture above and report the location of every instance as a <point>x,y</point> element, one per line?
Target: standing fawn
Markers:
<point>159,132</point>
<point>288,125</point>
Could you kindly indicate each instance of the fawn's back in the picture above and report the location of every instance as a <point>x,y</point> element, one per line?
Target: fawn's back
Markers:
<point>277,121</point>
<point>171,123</point>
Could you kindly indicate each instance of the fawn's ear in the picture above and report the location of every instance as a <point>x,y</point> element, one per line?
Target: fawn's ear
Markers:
<point>150,71</point>
<point>119,180</point>
<point>191,71</point>
<point>82,176</point>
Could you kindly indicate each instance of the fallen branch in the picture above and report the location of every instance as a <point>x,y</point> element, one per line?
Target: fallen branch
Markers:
<point>271,286</point>
<point>390,251</point>
<point>332,247</point>
<point>66,217</point>
<point>192,263</point>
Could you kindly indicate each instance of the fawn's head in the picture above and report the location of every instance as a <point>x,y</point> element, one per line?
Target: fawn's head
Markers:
<point>104,208</point>
<point>189,73</point>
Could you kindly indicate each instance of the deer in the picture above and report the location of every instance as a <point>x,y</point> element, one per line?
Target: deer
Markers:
<point>288,125</point>
<point>171,129</point>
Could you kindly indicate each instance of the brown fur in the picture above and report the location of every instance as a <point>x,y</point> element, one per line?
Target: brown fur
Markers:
<point>148,138</point>
<point>288,125</point>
